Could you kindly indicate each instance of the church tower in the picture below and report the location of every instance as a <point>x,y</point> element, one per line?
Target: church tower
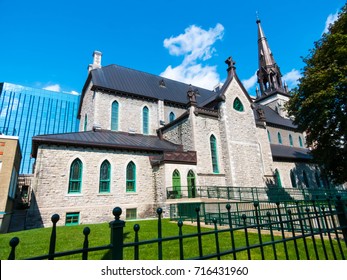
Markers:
<point>273,92</point>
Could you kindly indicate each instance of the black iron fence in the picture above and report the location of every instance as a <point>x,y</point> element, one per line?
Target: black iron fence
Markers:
<point>314,230</point>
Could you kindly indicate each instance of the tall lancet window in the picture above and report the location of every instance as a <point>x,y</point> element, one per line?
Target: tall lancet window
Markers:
<point>213,145</point>
<point>105,174</point>
<point>75,178</point>
<point>145,120</point>
<point>114,116</point>
<point>131,177</point>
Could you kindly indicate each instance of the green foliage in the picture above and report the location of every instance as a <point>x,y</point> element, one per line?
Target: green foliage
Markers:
<point>318,104</point>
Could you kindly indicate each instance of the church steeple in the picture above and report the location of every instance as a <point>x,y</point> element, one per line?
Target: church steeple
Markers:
<point>269,74</point>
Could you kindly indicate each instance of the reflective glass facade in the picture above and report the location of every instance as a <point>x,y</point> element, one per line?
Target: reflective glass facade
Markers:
<point>26,112</point>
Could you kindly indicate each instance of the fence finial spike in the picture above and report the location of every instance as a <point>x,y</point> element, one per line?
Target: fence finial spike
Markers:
<point>117,211</point>
<point>55,218</point>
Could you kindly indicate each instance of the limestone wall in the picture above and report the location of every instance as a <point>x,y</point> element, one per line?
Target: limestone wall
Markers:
<point>52,178</point>
<point>241,145</point>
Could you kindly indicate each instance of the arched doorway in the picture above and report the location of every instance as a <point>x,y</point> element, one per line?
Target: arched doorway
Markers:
<point>191,184</point>
<point>176,183</point>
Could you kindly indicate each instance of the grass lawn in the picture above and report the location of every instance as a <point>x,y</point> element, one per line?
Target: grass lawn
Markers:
<point>35,242</point>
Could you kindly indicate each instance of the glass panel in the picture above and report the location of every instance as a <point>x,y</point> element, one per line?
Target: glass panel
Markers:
<point>75,176</point>
<point>131,214</point>
<point>293,179</point>
<point>114,116</point>
<point>214,154</point>
<point>172,117</point>
<point>105,170</point>
<point>300,141</point>
<point>131,177</point>
<point>145,120</point>
<point>290,140</point>
<point>238,106</point>
<point>72,219</point>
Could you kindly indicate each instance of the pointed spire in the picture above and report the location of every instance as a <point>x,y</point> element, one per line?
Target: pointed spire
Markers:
<point>269,74</point>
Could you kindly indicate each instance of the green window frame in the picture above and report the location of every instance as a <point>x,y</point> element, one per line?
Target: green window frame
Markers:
<point>278,178</point>
<point>293,179</point>
<point>279,137</point>
<point>214,155</point>
<point>131,214</point>
<point>114,116</point>
<point>269,136</point>
<point>176,182</point>
<point>131,177</point>
<point>172,117</point>
<point>300,142</point>
<point>145,120</point>
<point>237,105</point>
<point>290,140</point>
<point>85,122</point>
<point>75,178</point>
<point>191,184</point>
<point>105,177</point>
<point>318,181</point>
<point>306,182</point>
<point>72,219</point>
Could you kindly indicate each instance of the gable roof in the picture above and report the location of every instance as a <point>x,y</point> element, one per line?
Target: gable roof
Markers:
<point>106,139</point>
<point>273,118</point>
<point>290,153</point>
<point>129,81</point>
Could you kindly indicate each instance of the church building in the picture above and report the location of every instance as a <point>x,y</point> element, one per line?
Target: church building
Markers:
<point>144,140</point>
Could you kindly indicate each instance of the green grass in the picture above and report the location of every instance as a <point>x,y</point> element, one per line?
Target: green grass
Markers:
<point>36,242</point>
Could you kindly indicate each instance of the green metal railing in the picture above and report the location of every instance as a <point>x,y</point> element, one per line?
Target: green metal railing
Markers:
<point>271,193</point>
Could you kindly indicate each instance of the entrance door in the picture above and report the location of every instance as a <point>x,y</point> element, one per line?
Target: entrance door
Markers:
<point>191,184</point>
<point>176,183</point>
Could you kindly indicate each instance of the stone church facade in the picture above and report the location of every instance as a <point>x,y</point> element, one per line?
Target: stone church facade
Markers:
<point>143,137</point>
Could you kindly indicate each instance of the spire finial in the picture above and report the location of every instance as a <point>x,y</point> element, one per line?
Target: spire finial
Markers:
<point>257,16</point>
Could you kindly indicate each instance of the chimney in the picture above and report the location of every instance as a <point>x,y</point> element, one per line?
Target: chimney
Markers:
<point>96,61</point>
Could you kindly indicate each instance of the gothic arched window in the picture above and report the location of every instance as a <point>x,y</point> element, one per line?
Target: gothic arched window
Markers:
<point>238,106</point>
<point>172,117</point>
<point>114,115</point>
<point>105,176</point>
<point>145,120</point>
<point>213,146</point>
<point>75,178</point>
<point>279,138</point>
<point>131,177</point>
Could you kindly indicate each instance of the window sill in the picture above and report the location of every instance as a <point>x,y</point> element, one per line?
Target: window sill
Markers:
<point>74,194</point>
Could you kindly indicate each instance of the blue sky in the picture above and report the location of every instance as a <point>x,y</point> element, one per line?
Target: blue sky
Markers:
<point>49,44</point>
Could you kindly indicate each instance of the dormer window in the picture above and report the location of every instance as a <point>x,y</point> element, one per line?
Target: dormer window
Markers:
<point>162,83</point>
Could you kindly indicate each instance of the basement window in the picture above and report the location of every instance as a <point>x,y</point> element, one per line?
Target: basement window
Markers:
<point>72,219</point>
<point>131,214</point>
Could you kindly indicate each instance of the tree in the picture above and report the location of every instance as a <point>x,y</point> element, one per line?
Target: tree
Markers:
<point>318,104</point>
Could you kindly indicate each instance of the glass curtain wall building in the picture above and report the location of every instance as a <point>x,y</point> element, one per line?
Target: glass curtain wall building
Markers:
<point>26,112</point>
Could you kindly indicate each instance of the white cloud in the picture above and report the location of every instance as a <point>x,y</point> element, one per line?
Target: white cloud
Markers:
<point>330,20</point>
<point>291,78</point>
<point>55,87</point>
<point>196,45</point>
<point>74,92</point>
<point>251,82</point>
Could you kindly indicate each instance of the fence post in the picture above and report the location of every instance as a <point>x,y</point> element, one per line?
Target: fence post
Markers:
<point>341,209</point>
<point>55,218</point>
<point>13,243</point>
<point>117,227</point>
